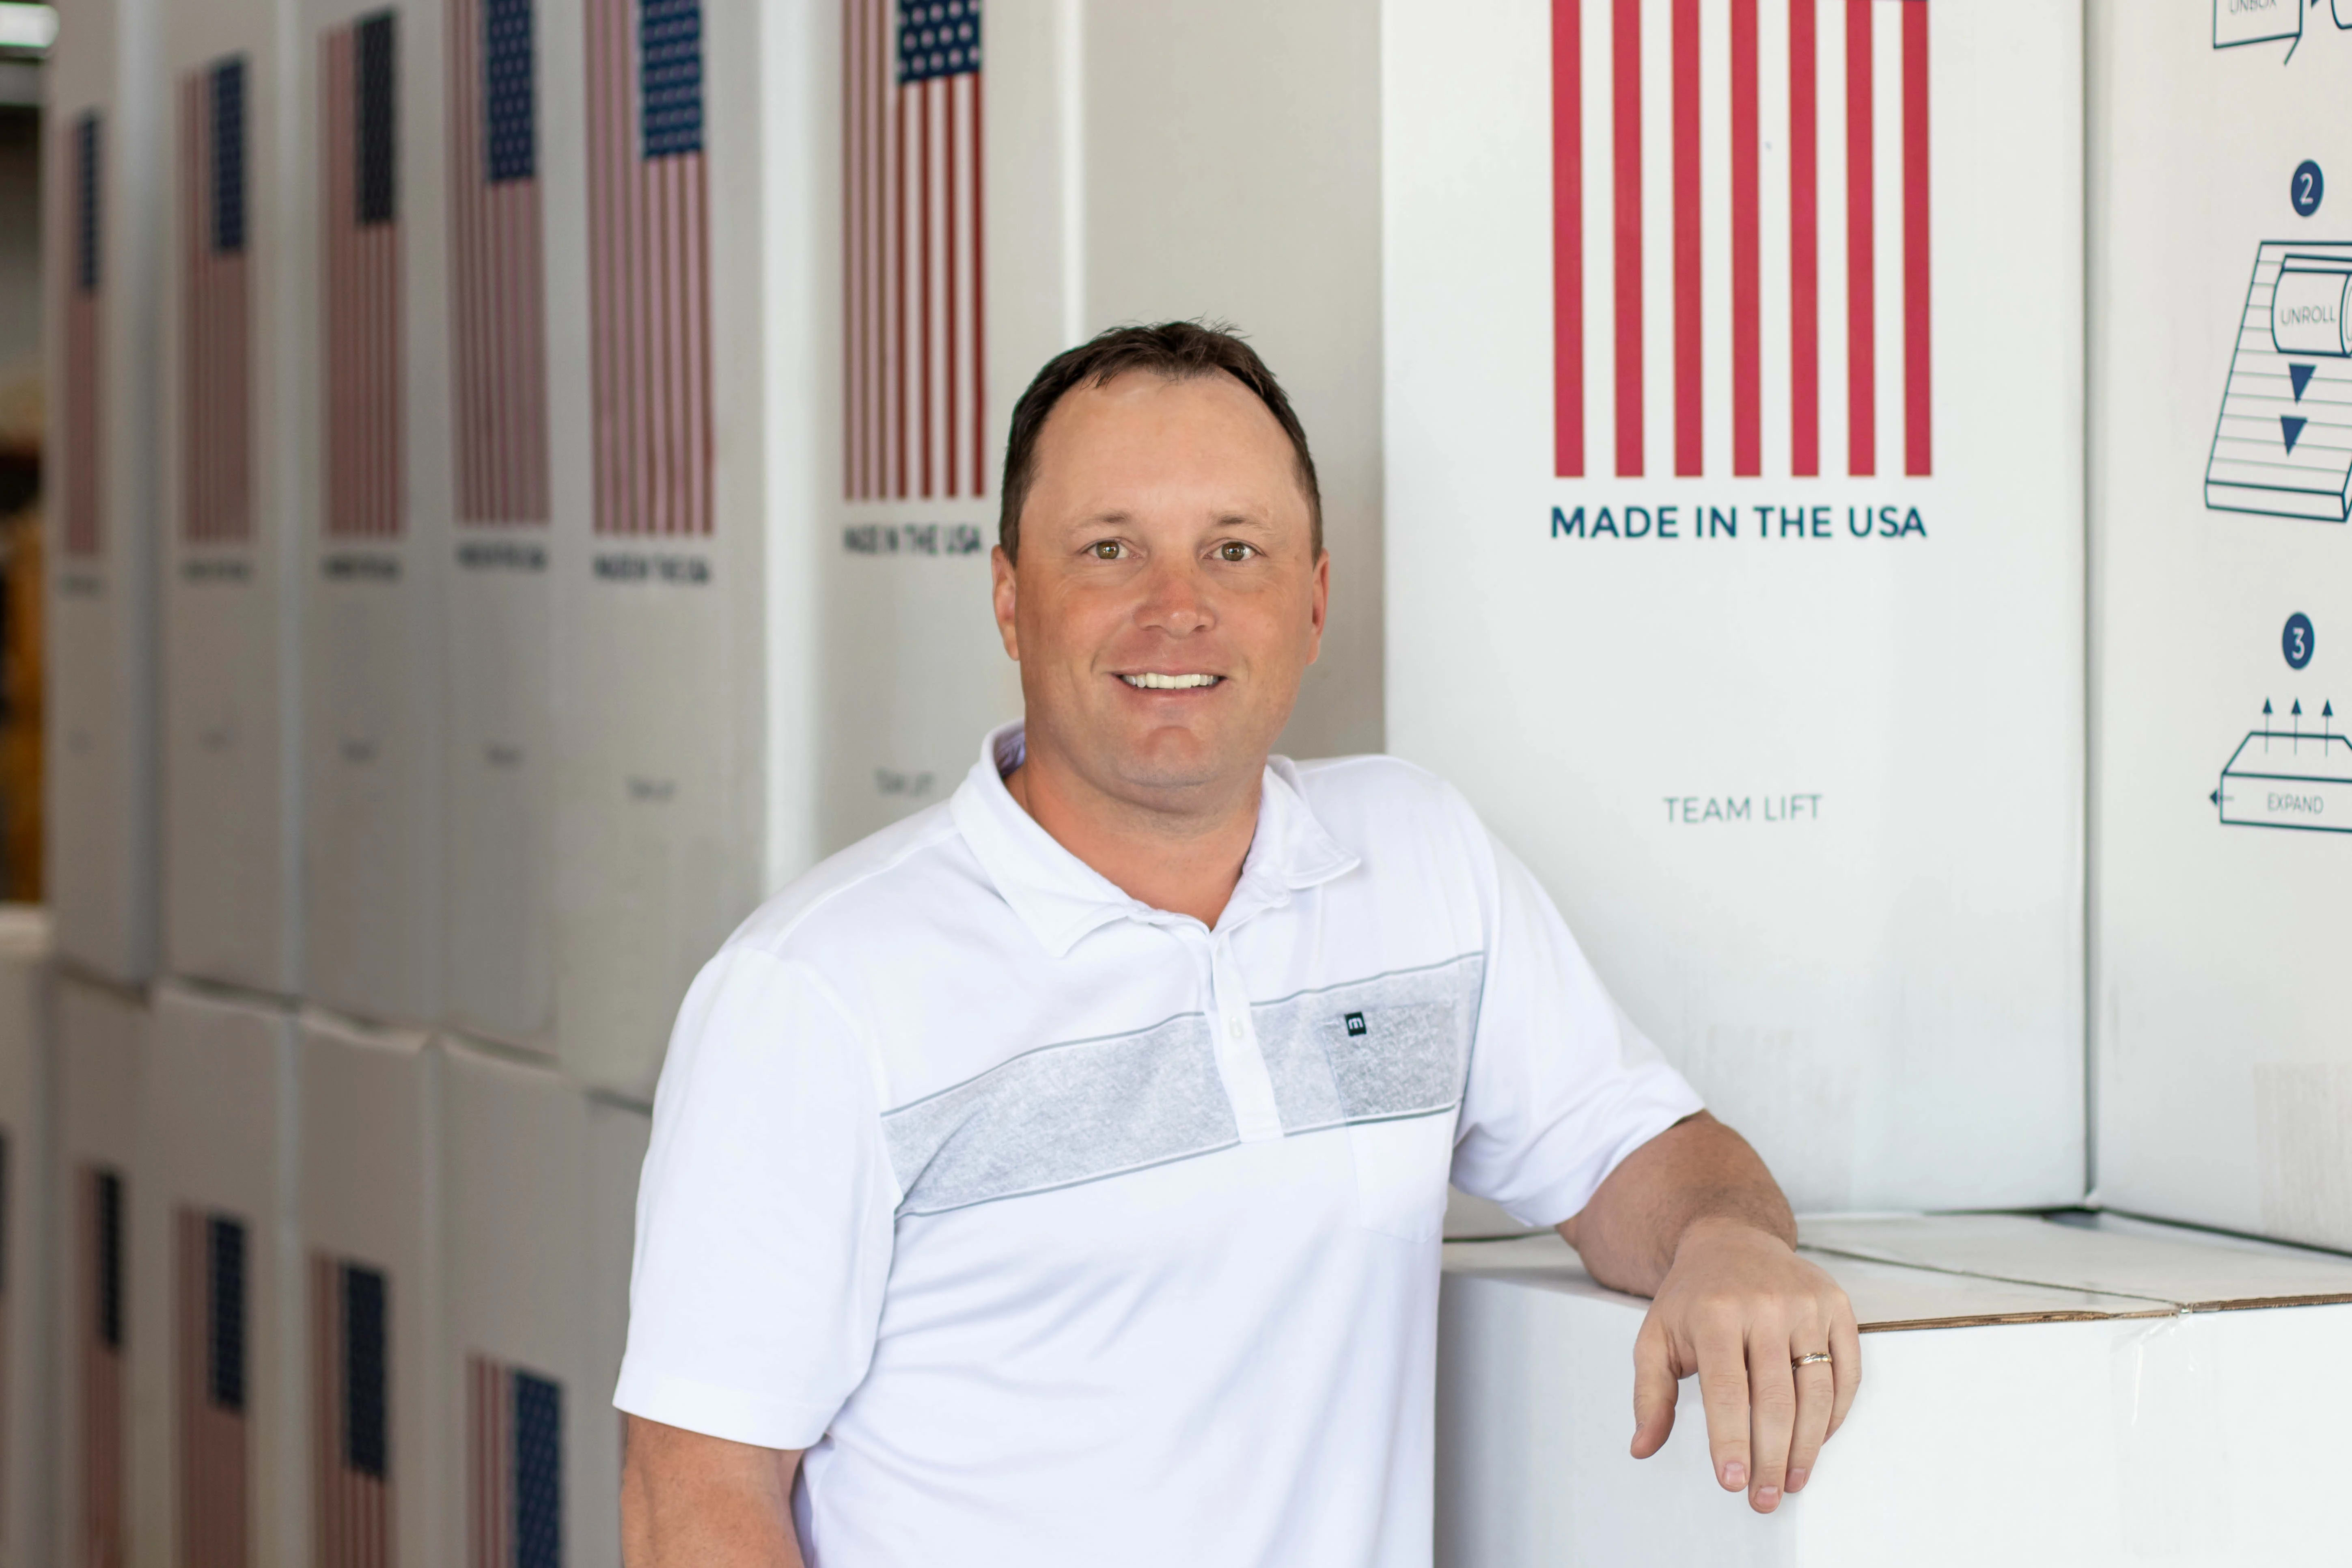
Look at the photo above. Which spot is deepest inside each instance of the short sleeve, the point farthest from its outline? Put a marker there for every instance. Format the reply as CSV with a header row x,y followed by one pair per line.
x,y
764,1215
1561,1085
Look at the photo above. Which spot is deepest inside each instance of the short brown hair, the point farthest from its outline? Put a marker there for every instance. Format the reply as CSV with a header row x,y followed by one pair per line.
x,y
1176,351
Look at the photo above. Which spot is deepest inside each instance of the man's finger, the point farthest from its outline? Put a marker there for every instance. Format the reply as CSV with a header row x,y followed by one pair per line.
x,y
1722,1394
1845,1351
1772,1418
1653,1389
1816,1392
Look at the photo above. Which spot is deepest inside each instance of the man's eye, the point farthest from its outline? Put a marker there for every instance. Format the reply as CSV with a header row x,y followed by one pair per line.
x,y
1234,550
1106,550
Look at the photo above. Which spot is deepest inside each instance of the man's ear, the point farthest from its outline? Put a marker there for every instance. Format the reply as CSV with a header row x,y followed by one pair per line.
x,y
1319,604
1004,588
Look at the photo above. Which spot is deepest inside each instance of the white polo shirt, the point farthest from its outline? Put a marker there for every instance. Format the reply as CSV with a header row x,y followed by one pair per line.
x,y
1064,1230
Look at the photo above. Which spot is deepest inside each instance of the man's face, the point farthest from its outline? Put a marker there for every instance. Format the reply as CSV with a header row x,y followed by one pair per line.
x,y
1169,597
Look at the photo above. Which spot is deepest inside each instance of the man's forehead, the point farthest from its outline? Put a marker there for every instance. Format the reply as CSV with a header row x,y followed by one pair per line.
x,y
1140,416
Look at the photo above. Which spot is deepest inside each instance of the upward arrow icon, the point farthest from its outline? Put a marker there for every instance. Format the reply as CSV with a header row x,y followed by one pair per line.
x,y
2300,375
2291,427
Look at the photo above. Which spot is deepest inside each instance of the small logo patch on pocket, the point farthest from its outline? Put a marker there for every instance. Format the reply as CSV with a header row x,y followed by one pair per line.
x,y
1356,1027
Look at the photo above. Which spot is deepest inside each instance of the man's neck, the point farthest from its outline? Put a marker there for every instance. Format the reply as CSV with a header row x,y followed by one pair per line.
x,y
1186,859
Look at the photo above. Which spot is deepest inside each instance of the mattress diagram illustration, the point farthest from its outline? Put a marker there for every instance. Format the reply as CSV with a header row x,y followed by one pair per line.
x,y
2283,445
2289,778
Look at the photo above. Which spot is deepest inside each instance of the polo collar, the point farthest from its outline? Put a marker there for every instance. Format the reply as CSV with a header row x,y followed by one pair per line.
x,y
1061,898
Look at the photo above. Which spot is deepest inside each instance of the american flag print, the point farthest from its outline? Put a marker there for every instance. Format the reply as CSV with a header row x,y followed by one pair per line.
x,y
497,289
216,309
514,1467
1846,82
649,267
359,214
84,336
351,1370
914,347
100,1310
209,1348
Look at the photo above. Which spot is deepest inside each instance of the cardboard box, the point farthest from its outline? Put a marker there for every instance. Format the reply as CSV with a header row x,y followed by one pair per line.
x,y
230,520
527,1401
2031,1392
2221,1070
376,504
216,1340
102,135
106,1520
1764,659
377,1426
29,1373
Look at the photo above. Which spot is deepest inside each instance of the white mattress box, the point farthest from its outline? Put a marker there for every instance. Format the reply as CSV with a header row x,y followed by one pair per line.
x,y
371,1300
377,505
2221,444
228,521
2031,1393
104,1396
529,1409
28,1372
101,145
217,1203
1734,565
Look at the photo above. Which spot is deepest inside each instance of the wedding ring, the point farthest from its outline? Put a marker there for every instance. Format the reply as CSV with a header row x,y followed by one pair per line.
x,y
1813,1360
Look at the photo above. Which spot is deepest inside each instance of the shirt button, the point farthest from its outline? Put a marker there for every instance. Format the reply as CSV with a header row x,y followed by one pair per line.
x,y
1233,1028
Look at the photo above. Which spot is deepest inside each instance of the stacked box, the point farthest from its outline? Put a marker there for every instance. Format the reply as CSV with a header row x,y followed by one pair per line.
x,y
2220,443
618,1135
1735,556
103,1274
2151,1361
520,1382
375,438
229,519
27,1370
503,180
216,1343
103,132
371,1303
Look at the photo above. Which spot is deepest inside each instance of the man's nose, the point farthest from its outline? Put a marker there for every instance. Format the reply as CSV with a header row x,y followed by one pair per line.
x,y
1175,598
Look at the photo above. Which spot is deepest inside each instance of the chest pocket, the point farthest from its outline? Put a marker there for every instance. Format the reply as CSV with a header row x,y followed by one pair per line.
x,y
1396,1048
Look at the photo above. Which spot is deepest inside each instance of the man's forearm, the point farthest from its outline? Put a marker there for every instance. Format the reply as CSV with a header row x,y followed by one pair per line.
x,y
692,1501
1696,1172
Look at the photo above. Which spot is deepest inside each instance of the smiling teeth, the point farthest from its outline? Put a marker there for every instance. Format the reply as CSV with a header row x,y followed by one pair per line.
x,y
1153,682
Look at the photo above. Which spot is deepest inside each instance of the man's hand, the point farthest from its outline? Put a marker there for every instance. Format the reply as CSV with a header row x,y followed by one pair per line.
x,y
1738,1307
1693,1220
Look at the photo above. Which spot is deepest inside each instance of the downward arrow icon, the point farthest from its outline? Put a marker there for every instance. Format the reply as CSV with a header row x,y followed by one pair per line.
x,y
2291,428
2301,375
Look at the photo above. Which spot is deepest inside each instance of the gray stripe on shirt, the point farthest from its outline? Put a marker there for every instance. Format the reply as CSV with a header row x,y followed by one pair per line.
x,y
1060,1115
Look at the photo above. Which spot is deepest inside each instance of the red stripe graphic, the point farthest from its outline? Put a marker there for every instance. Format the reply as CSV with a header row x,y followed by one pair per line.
x,y
362,325
1805,246
1625,67
497,316
1568,238
1917,435
1746,292
1689,371
214,1523
216,345
650,306
913,304
1860,241
489,1443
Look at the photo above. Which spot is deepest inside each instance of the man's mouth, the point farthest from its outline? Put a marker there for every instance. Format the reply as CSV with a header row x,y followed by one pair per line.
x,y
1152,680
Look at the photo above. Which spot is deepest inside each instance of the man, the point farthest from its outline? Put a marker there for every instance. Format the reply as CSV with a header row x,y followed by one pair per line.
x,y
1057,1177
